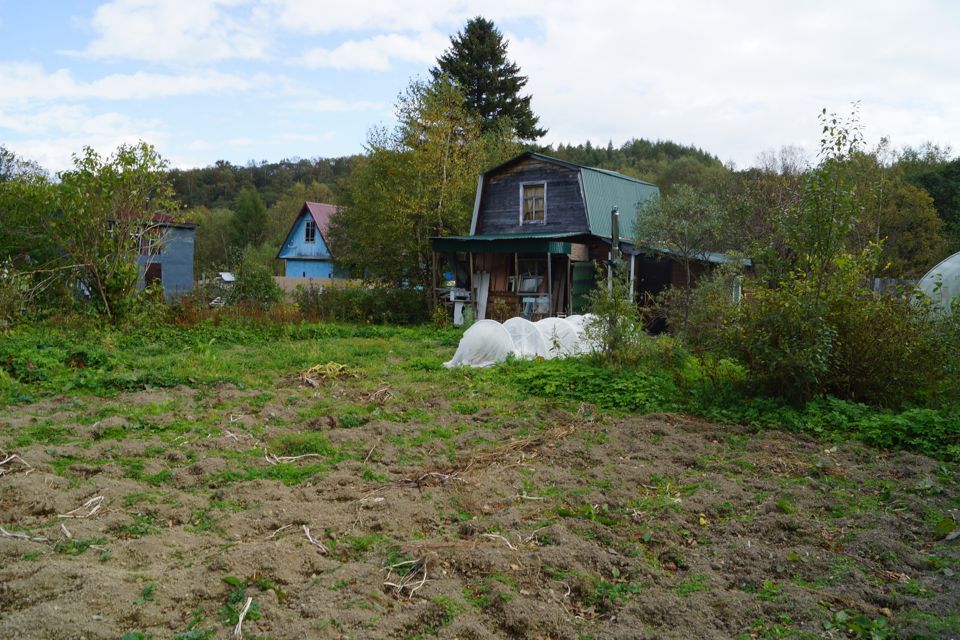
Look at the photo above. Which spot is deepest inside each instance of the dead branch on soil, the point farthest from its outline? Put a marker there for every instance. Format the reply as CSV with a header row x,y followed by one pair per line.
x,y
370,453
275,460
489,457
849,603
524,496
497,536
238,630
494,455
442,478
22,536
319,545
274,534
65,531
380,396
87,510
411,581
11,459
363,502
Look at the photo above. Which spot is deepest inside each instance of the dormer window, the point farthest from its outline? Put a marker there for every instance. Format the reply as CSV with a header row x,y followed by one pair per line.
x,y
310,233
533,203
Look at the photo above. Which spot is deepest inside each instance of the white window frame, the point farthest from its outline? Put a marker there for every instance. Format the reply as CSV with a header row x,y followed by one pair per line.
x,y
306,232
534,183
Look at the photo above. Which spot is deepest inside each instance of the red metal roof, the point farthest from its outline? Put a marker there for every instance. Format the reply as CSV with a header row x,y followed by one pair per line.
x,y
321,215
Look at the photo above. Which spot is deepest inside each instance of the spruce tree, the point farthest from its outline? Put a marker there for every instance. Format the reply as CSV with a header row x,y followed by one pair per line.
x,y
477,62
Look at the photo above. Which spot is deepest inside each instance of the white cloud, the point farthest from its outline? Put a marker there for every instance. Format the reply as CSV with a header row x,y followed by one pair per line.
x,y
738,79
735,78
175,31
331,16
29,81
50,136
377,53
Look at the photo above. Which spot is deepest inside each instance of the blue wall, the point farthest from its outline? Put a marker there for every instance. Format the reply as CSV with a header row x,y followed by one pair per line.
x,y
309,269
296,245
176,262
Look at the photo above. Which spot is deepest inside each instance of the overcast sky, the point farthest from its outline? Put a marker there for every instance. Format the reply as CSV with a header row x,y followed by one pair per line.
x,y
244,80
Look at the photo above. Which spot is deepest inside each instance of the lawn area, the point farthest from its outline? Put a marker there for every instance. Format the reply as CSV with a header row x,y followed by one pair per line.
x,y
346,485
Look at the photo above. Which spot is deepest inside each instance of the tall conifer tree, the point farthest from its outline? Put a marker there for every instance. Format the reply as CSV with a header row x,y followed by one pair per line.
x,y
477,62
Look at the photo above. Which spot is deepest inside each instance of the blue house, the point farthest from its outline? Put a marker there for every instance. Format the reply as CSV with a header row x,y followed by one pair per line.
x,y
166,257
304,252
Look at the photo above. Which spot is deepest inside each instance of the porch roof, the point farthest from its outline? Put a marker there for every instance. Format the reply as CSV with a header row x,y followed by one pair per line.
x,y
507,243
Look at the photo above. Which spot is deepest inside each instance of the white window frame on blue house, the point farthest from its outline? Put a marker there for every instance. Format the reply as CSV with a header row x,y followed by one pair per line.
x,y
310,232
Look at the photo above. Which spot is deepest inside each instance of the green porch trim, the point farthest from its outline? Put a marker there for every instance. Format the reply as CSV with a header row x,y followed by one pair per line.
x,y
506,243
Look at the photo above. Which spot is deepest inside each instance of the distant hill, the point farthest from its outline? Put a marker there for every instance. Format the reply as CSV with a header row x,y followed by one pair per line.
x,y
218,185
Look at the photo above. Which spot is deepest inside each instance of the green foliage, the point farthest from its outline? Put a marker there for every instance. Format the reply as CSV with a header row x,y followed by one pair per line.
x,y
686,223
604,596
716,393
860,626
663,163
805,336
230,611
692,584
213,243
811,327
418,181
255,286
616,331
477,63
365,305
250,218
15,294
147,594
578,380
110,210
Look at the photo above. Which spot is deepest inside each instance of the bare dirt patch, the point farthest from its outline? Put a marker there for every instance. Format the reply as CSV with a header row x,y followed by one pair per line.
x,y
513,522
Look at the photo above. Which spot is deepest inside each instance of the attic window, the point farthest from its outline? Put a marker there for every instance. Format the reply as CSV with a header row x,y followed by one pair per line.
x,y
533,203
310,234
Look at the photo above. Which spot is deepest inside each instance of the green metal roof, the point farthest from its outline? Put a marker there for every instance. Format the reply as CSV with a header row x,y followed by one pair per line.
x,y
604,190
506,243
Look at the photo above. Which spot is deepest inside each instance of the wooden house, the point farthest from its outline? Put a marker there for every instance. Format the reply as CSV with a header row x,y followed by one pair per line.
x,y
166,257
540,227
304,251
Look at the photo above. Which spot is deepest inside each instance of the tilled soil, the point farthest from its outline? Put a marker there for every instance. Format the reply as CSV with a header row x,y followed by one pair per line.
x,y
543,524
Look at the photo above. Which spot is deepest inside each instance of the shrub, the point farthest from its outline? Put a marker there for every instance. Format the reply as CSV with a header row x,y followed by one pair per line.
x,y
367,305
616,329
14,295
255,285
802,337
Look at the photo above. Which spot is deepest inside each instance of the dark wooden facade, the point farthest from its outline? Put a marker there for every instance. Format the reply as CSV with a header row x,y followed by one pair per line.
x,y
500,200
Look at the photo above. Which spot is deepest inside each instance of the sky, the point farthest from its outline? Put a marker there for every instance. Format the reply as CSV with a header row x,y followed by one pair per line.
x,y
254,80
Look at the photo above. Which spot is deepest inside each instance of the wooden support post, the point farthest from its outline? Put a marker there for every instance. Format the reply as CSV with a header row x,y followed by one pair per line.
x,y
549,284
569,286
473,289
516,283
633,265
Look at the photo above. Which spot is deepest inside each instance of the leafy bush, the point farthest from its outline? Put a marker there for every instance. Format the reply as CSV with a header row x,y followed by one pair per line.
x,y
255,285
801,338
367,305
14,295
616,330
